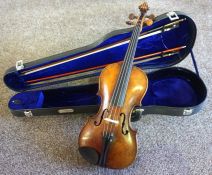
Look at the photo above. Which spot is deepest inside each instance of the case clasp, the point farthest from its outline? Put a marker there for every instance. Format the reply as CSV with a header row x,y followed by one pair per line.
x,y
28,113
172,16
19,65
187,111
140,110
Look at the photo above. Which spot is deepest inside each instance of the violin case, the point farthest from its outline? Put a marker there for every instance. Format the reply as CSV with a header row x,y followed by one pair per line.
x,y
47,86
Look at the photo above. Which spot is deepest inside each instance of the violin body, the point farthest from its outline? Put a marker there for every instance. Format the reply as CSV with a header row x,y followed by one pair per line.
x,y
107,138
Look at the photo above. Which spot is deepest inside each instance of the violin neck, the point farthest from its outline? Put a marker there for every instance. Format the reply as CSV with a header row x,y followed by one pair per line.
x,y
130,54
124,75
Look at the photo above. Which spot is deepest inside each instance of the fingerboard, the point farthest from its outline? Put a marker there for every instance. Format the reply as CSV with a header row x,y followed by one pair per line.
x,y
119,93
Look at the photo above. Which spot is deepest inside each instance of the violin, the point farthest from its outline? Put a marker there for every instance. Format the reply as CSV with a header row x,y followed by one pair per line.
x,y
108,139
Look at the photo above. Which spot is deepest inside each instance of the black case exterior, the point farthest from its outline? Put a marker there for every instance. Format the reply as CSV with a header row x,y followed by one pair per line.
x,y
138,111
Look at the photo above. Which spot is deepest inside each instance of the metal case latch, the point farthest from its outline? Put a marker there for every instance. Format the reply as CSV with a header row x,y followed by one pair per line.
x,y
172,16
19,65
140,110
187,111
28,113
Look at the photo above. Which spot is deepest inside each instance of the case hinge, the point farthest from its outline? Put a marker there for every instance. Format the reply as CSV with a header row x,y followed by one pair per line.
x,y
28,113
172,16
187,111
19,65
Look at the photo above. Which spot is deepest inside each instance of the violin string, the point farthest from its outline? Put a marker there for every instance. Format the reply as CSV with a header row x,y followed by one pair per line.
x,y
118,82
129,64
123,73
111,102
128,68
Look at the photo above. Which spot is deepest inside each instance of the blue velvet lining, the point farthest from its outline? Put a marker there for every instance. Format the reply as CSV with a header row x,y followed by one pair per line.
x,y
174,92
174,38
113,39
172,87
27,100
79,96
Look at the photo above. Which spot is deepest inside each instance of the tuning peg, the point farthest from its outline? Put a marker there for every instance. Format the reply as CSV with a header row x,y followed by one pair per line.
x,y
131,22
132,16
152,17
148,21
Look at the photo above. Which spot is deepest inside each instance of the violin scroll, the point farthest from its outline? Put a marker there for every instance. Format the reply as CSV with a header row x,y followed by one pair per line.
x,y
143,8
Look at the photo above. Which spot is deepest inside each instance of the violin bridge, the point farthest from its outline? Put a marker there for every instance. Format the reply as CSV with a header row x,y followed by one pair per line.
x,y
111,120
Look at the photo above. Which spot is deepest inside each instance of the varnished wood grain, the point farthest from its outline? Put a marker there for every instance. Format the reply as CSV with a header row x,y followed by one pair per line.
x,y
123,149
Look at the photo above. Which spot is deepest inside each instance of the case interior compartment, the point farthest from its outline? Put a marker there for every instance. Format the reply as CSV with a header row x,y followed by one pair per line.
x,y
173,87
182,35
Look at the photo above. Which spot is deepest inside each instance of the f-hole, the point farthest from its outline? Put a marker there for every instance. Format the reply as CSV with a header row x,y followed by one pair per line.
x,y
96,123
125,132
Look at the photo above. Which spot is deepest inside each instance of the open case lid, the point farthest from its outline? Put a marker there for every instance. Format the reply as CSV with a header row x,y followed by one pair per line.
x,y
163,44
